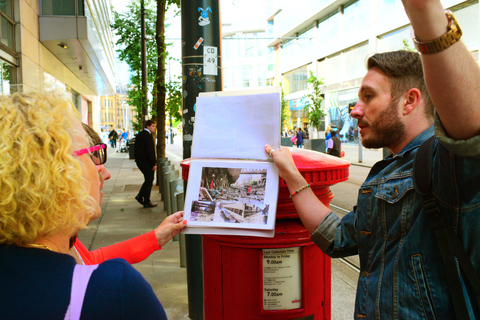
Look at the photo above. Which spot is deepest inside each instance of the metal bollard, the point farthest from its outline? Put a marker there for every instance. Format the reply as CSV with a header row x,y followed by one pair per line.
x,y
160,163
169,176
166,168
176,186
183,255
161,174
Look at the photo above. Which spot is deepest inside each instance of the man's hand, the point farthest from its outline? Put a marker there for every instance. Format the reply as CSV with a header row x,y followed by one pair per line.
x,y
309,208
154,168
169,228
284,162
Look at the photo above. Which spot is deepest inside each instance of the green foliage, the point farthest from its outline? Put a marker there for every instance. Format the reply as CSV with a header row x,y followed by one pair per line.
x,y
314,110
132,97
406,46
127,26
283,112
174,99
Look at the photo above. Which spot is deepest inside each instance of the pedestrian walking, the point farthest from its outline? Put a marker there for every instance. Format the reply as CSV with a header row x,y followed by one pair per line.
x,y
113,137
299,138
146,162
334,145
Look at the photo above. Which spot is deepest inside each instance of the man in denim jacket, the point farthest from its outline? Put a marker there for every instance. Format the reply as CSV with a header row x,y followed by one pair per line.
x,y
402,273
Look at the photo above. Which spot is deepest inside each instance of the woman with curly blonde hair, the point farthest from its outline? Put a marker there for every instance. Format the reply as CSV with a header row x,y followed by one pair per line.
x,y
133,250
50,188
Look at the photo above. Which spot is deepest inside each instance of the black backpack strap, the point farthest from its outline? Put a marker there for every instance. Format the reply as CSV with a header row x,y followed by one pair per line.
x,y
450,245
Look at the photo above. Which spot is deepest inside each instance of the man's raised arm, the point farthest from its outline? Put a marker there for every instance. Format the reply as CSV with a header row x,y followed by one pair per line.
x,y
452,75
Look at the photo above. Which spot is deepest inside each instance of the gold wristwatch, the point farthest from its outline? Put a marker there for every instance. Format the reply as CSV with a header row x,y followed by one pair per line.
x,y
453,35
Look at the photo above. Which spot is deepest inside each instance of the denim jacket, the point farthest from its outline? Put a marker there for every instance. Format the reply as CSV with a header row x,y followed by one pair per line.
x,y
402,274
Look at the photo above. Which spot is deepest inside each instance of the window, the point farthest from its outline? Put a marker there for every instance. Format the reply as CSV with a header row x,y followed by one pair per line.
x,y
288,50
246,75
305,40
262,75
7,7
8,75
7,32
354,62
7,24
395,40
355,16
333,69
297,79
58,7
328,28
270,58
62,7
467,16
386,7
270,28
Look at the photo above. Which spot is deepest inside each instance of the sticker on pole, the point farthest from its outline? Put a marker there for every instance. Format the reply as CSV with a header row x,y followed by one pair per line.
x,y
210,60
281,279
199,42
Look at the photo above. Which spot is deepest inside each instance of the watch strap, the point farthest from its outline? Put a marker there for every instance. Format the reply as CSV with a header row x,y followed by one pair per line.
x,y
452,36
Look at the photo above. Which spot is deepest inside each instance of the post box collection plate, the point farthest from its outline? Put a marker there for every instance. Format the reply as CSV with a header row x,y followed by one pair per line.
x,y
281,279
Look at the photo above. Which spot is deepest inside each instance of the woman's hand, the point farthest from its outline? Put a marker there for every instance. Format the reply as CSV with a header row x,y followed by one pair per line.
x,y
169,228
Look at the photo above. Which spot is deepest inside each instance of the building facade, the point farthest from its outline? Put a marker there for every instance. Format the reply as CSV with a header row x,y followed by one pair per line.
x,y
333,39
115,112
62,44
244,47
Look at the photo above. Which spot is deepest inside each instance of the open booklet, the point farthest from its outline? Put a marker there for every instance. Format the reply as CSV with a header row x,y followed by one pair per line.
x,y
233,184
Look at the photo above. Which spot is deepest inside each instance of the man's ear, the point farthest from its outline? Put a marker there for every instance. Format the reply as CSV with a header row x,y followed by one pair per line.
x,y
412,100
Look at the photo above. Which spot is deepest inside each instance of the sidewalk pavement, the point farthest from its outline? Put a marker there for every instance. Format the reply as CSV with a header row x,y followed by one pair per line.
x,y
123,218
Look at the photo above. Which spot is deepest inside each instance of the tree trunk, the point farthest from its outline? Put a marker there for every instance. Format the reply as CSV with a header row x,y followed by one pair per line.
x,y
160,79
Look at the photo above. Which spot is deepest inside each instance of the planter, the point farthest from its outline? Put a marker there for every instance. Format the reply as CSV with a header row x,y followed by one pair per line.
x,y
286,142
315,144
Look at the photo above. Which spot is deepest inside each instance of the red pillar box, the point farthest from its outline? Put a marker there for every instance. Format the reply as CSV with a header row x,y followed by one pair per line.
x,y
284,277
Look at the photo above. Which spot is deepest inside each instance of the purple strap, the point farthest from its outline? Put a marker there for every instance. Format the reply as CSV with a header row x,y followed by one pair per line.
x,y
81,277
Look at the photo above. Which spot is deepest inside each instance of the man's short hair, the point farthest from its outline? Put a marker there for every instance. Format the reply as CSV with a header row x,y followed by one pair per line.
x,y
149,123
404,70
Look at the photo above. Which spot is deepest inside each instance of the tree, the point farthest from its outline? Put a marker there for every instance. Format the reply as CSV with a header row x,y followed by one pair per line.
x,y
283,112
174,99
160,87
313,105
127,27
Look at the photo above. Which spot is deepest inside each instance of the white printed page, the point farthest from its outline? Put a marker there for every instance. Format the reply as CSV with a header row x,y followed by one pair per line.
x,y
236,127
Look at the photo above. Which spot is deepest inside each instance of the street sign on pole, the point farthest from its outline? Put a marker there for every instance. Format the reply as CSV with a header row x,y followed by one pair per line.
x,y
210,60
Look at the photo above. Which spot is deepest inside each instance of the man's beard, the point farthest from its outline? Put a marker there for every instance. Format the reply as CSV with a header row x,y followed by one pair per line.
x,y
386,130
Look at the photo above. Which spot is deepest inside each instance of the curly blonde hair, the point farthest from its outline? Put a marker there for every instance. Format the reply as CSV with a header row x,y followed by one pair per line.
x,y
42,188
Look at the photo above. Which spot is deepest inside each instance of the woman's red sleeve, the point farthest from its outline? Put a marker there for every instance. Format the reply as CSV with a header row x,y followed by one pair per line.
x,y
134,250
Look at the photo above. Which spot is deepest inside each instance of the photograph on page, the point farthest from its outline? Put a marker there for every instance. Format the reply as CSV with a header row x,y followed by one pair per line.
x,y
231,194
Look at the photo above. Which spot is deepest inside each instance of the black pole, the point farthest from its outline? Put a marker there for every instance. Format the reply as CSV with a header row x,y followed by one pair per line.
x,y
171,130
144,63
201,69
